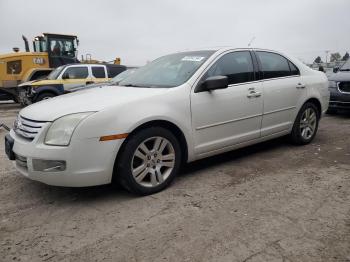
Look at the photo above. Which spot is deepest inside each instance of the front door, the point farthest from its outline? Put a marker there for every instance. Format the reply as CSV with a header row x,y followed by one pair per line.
x,y
225,117
75,76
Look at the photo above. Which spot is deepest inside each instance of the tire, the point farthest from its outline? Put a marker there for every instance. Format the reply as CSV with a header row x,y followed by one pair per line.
x,y
144,171
305,121
44,96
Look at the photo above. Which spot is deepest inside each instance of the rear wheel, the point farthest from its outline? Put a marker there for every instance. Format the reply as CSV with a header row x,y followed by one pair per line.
x,y
149,161
306,124
44,96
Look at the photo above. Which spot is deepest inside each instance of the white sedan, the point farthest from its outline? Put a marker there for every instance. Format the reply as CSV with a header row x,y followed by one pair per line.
x,y
177,109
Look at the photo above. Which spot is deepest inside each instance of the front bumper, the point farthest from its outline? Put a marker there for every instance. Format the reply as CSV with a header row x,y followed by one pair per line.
x,y
339,105
89,162
339,100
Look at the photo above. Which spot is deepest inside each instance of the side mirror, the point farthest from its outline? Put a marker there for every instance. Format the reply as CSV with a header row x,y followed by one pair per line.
x,y
335,69
214,82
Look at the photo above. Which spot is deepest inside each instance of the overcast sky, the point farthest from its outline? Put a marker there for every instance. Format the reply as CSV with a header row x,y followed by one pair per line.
x,y
141,30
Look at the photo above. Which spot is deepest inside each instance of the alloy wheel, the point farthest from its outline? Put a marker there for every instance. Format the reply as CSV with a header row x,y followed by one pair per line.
x,y
153,161
308,123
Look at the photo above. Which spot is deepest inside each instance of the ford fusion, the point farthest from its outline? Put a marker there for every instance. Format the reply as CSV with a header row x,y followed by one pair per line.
x,y
179,108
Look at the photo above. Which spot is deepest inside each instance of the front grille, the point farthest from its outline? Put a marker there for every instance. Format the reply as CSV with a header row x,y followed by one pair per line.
x,y
21,161
27,128
344,87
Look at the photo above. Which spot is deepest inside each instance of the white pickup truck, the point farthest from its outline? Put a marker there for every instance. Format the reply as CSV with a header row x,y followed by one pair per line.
x,y
64,78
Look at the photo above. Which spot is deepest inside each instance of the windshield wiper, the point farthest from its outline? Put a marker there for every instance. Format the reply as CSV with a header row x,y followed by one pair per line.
x,y
132,85
348,69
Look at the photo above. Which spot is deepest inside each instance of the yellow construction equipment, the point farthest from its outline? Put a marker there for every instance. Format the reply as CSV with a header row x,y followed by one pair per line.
x,y
49,51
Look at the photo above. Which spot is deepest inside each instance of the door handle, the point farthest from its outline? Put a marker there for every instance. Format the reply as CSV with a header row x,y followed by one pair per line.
x,y
300,86
253,93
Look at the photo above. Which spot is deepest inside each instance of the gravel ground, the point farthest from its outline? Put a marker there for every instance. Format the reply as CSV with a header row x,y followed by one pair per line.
x,y
268,202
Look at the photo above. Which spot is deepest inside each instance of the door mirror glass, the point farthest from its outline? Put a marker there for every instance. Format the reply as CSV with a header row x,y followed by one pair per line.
x,y
215,82
335,69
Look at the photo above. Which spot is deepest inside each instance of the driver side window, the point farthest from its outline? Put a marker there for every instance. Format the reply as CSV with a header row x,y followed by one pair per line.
x,y
76,73
237,66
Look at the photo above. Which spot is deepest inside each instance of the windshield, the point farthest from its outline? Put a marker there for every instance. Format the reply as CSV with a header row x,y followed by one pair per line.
x,y
346,66
62,47
168,71
122,75
55,73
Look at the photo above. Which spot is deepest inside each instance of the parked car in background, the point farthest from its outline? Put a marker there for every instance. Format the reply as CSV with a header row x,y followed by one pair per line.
x,y
64,78
176,109
339,87
114,81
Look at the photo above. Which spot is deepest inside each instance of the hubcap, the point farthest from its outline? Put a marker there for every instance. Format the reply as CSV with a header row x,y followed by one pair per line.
x,y
153,161
308,123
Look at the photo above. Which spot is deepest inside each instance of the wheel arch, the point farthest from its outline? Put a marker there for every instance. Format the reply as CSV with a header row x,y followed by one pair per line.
x,y
177,132
174,129
316,102
56,90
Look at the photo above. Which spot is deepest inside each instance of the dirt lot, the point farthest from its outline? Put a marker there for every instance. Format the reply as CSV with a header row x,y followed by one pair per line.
x,y
269,202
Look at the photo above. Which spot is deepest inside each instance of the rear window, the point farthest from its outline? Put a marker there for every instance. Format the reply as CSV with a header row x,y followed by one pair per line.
x,y
274,65
98,72
115,70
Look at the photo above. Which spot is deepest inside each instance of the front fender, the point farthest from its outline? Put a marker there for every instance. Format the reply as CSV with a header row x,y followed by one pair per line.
x,y
127,117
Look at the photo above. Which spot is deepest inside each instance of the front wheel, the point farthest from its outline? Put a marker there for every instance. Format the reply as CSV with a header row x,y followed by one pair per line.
x,y
149,161
306,124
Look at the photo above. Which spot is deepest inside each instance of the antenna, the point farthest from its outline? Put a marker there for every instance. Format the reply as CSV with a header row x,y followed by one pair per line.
x,y
251,41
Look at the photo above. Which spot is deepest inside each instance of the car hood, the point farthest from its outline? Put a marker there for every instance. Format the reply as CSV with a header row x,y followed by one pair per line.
x,y
90,100
40,82
340,76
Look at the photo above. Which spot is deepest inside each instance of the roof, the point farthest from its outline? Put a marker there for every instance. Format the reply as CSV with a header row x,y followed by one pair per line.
x,y
59,34
226,48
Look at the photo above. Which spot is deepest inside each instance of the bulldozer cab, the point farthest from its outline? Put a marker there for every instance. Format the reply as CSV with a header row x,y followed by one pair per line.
x,y
61,49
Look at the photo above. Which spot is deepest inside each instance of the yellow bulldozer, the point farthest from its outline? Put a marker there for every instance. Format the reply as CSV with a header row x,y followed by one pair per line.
x,y
49,51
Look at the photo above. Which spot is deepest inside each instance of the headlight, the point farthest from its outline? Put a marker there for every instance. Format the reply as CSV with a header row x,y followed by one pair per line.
x,y
332,84
61,130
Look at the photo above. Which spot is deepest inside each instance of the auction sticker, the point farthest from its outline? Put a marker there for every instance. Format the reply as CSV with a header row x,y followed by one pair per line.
x,y
193,58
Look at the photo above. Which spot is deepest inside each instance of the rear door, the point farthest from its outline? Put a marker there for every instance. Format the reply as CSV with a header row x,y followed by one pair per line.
x,y
99,74
283,88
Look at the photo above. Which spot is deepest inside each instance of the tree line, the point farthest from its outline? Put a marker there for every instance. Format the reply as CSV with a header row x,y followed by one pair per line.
x,y
333,58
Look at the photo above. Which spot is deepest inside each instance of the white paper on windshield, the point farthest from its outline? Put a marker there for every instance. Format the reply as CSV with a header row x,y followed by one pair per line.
x,y
193,58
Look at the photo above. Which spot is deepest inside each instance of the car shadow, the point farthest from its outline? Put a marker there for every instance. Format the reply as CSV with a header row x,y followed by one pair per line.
x,y
235,155
53,194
